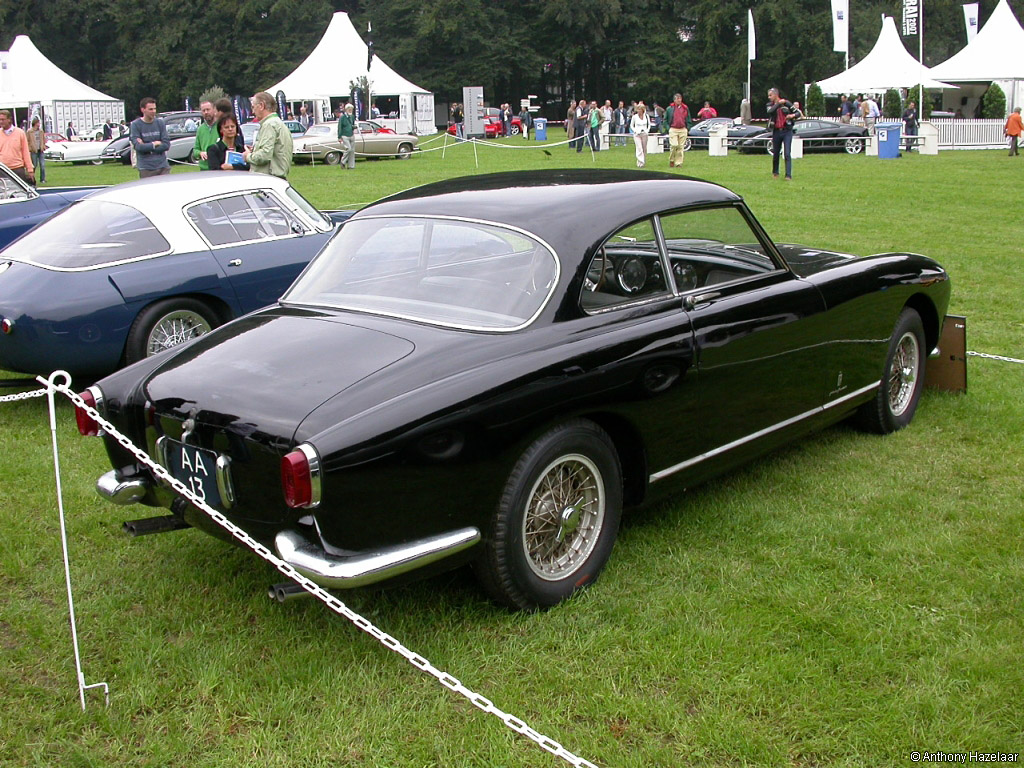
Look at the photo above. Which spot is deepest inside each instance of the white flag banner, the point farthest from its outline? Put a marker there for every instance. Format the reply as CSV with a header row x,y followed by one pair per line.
x,y
911,10
971,20
841,25
751,46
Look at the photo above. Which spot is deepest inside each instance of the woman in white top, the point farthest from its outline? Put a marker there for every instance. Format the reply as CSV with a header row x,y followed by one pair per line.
x,y
640,125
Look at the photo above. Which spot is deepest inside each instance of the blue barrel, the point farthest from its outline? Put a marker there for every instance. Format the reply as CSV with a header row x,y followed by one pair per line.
x,y
540,129
888,137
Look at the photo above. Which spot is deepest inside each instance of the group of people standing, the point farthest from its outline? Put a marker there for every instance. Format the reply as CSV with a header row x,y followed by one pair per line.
x,y
586,122
219,145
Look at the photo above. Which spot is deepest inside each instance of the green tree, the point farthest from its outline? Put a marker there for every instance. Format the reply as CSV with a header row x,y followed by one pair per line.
x,y
815,106
993,103
893,106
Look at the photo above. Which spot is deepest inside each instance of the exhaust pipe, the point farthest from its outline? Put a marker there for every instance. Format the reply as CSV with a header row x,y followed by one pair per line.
x,y
285,591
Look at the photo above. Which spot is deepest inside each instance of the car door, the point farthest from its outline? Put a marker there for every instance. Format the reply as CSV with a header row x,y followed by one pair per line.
x,y
259,242
756,325
21,207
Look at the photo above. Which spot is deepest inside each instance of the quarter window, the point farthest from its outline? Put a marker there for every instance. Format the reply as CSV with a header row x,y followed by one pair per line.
x,y
241,219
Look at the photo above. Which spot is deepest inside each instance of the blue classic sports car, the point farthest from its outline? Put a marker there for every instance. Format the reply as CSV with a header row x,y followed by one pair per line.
x,y
490,370
22,207
140,267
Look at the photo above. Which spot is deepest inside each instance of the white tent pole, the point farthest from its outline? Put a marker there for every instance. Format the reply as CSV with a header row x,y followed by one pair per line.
x,y
920,51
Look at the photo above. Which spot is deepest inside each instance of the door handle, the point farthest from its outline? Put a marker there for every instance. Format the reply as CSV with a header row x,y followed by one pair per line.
x,y
690,302
235,263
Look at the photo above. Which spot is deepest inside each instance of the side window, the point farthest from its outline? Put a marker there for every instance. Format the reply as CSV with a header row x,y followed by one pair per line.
x,y
626,269
241,218
11,190
708,246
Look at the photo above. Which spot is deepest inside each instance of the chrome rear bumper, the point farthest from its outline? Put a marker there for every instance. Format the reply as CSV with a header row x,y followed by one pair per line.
x,y
112,488
338,572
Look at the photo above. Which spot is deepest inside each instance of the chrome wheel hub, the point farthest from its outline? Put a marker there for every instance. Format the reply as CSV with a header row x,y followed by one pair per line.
x,y
906,364
564,516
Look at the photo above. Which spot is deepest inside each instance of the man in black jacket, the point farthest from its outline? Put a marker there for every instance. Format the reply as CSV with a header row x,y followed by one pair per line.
x,y
780,117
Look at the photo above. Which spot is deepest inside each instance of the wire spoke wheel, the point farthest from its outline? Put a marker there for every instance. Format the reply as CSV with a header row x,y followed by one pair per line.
x,y
176,328
903,374
564,516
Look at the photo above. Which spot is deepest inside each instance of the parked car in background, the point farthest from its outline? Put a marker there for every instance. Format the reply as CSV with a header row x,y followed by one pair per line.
x,y
697,137
489,370
249,131
23,206
181,130
817,135
77,152
140,267
492,124
320,143
118,150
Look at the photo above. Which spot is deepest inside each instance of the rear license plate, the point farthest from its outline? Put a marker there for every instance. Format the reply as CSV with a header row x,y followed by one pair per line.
x,y
196,468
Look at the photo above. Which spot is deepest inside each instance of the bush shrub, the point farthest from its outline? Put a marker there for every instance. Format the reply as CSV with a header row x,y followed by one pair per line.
x,y
924,105
993,103
815,106
893,107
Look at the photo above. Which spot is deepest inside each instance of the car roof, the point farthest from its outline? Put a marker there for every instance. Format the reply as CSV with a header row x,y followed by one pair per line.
x,y
569,209
162,198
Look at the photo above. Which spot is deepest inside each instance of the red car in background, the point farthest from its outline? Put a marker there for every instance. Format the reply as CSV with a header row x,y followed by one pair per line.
x,y
492,125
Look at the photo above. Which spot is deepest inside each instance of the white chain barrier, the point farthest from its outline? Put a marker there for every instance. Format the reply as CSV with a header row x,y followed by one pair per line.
x,y
995,357
59,382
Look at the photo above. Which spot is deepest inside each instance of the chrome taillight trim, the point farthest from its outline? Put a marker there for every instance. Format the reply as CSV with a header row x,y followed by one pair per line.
x,y
313,459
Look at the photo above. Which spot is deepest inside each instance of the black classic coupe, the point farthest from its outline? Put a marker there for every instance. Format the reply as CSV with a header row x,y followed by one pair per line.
x,y
489,370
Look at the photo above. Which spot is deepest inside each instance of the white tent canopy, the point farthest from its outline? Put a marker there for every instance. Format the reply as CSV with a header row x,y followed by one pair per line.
x,y
27,77
339,59
887,66
995,53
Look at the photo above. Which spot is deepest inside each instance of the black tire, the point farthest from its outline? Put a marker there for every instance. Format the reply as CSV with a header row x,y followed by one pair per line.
x,y
97,161
853,146
332,158
894,405
514,130
165,324
404,151
192,155
544,543
687,144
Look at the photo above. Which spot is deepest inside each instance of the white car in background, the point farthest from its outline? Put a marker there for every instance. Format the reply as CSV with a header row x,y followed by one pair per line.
x,y
75,151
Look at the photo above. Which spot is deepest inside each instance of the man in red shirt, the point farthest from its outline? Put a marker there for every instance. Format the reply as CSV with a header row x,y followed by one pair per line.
x,y
677,117
1014,128
14,149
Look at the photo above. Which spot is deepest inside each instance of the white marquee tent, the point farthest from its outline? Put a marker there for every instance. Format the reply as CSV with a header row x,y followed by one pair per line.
x,y
994,55
887,66
339,59
27,78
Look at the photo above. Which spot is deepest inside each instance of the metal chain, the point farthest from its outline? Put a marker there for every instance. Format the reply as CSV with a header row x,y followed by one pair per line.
x,y
995,357
332,602
23,396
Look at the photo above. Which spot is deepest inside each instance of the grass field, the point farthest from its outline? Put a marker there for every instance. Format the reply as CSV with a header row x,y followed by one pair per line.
x,y
843,602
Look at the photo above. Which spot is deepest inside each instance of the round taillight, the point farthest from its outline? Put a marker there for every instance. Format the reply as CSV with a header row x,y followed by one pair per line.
x,y
87,425
300,477
6,325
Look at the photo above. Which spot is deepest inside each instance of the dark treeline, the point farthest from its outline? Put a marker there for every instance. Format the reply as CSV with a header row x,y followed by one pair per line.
x,y
556,49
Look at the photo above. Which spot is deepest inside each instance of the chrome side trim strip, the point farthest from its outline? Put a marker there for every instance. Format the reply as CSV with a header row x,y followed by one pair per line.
x,y
362,568
761,433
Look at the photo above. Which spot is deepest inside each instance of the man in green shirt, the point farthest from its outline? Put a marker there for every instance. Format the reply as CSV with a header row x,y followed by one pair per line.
x,y
272,151
206,134
346,129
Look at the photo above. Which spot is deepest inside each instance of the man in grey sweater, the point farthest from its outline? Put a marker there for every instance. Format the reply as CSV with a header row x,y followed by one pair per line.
x,y
148,136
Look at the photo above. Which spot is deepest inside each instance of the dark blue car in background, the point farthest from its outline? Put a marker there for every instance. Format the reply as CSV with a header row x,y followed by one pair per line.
x,y
141,267
22,207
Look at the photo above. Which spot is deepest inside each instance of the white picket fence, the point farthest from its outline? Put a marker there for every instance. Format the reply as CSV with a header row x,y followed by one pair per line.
x,y
960,133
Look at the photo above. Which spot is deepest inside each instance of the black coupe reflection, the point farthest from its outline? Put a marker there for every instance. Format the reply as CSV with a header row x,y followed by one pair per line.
x,y
489,370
